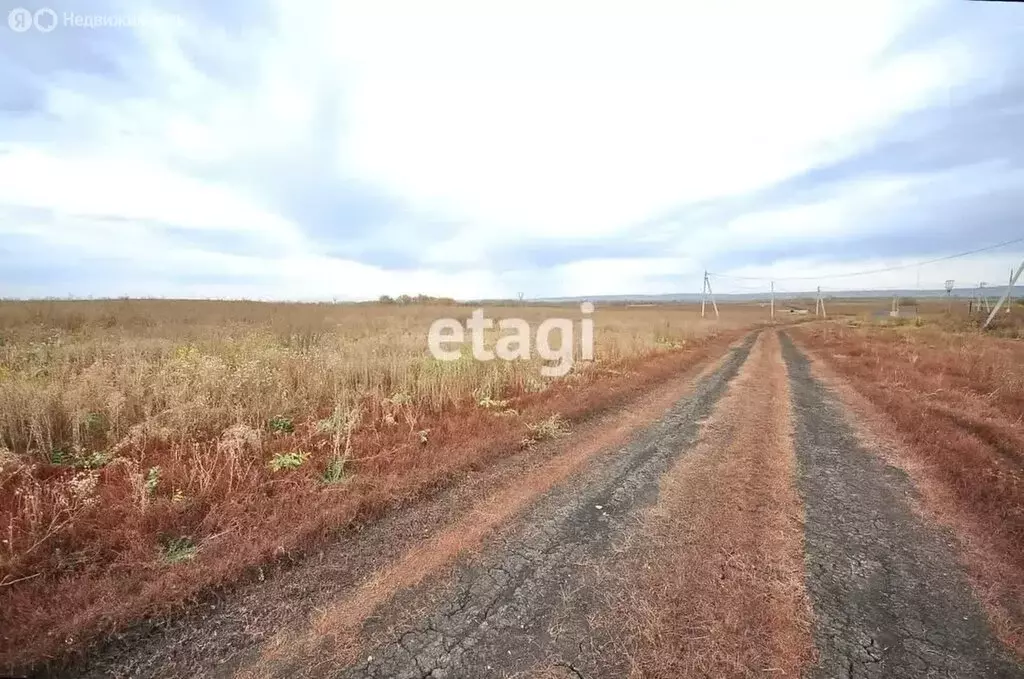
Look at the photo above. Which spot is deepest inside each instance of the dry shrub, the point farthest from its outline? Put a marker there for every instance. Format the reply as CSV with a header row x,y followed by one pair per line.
x,y
549,428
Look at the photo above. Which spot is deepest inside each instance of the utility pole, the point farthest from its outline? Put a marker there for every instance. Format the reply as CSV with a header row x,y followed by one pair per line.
x,y
917,297
1009,292
711,294
895,311
1013,281
704,294
773,301
949,291
819,304
984,297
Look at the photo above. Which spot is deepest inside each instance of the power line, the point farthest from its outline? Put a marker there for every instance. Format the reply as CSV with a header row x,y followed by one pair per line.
x,y
732,287
870,271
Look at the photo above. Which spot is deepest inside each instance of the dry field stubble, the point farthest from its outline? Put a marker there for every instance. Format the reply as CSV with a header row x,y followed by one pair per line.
x,y
153,448
953,403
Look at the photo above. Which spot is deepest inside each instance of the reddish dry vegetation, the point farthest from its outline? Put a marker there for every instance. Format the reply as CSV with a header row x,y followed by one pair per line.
x,y
954,404
97,573
714,580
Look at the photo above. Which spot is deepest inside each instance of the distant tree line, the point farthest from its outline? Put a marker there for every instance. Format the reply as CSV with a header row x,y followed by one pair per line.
x,y
418,299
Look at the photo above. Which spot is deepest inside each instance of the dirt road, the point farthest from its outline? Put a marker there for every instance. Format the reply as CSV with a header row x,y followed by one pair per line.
x,y
889,597
728,524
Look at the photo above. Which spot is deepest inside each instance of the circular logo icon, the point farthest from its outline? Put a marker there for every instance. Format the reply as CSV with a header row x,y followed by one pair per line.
x,y
19,19
45,19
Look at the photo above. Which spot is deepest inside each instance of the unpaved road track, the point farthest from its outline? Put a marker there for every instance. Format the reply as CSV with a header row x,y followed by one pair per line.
x,y
889,598
523,603
505,577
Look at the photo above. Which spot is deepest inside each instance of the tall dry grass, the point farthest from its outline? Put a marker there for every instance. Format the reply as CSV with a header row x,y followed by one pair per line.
x,y
77,379
84,376
159,446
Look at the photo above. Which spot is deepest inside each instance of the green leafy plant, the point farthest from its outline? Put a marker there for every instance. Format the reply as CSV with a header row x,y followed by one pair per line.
x,y
178,549
292,460
95,423
93,460
60,456
336,471
281,424
152,480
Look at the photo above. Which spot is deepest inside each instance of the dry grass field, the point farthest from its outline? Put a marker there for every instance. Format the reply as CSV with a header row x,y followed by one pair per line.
x,y
152,448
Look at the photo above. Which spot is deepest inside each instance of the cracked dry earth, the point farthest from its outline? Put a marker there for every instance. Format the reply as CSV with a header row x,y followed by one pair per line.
x,y
508,577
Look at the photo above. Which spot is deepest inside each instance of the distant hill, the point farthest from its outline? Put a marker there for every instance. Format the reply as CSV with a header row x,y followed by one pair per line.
x,y
958,293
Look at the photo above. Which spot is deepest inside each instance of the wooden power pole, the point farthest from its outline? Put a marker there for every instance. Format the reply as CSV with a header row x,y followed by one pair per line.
x,y
705,294
711,294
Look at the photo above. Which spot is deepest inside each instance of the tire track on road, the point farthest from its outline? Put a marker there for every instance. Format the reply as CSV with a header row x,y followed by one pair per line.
x,y
495,615
889,598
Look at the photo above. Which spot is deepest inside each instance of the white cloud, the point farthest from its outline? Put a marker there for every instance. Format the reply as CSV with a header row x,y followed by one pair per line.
x,y
131,189
555,123
494,128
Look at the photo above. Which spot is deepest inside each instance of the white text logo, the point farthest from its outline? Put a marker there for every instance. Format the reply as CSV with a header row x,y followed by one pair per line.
x,y
515,342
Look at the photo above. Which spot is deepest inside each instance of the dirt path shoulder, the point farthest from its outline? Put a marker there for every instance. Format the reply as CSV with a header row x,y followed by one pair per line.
x,y
888,595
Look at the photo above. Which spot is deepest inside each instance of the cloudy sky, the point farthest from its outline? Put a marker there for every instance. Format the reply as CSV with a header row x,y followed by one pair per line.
x,y
318,150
